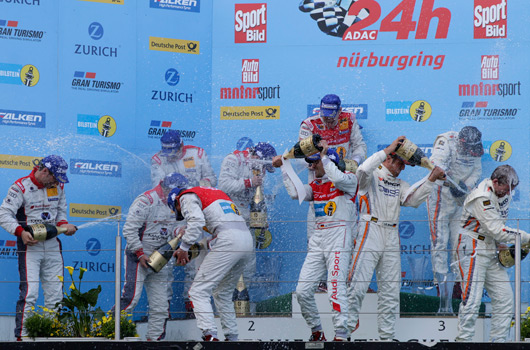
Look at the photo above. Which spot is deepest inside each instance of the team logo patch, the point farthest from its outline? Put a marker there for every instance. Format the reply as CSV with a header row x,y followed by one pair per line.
x,y
330,208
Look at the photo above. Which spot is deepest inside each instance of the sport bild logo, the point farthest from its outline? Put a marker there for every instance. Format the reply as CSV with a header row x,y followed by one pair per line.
x,y
95,32
250,71
95,167
480,111
86,81
489,67
9,30
159,128
250,23
17,74
172,78
490,19
418,111
96,125
179,5
22,118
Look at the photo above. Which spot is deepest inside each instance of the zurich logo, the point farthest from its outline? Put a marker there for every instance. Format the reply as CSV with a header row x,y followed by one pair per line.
x,y
95,30
93,246
172,77
406,229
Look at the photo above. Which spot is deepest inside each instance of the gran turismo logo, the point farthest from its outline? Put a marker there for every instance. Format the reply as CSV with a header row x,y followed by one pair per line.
x,y
172,77
95,30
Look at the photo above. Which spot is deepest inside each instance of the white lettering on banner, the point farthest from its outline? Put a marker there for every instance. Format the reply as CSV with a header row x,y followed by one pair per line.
x,y
246,20
491,14
97,166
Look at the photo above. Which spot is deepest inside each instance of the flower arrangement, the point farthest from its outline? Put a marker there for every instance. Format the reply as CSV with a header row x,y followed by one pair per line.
x,y
525,324
76,315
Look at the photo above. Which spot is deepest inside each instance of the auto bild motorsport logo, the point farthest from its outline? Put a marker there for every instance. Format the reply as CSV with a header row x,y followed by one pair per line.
x,y
400,111
9,30
490,70
480,111
22,118
179,5
250,71
489,67
95,32
490,19
172,78
96,125
360,110
250,23
159,128
86,81
18,74
95,167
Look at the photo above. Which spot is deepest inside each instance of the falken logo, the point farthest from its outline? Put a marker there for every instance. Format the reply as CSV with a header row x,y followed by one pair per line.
x,y
250,23
159,128
179,5
95,32
86,81
490,19
22,118
95,167
360,110
250,71
9,30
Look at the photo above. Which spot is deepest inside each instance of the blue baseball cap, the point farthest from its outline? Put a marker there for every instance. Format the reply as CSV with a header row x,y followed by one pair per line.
x,y
330,106
332,155
174,180
57,166
170,142
244,143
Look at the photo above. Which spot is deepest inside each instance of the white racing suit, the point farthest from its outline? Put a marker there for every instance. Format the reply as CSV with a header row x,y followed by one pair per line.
x,y
346,137
27,203
150,224
192,162
443,208
483,226
329,248
230,249
377,246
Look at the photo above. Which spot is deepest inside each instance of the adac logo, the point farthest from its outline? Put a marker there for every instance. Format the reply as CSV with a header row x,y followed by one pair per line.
x,y
500,150
9,30
489,67
490,19
95,167
250,71
95,32
405,111
88,124
480,111
360,110
172,78
93,246
86,81
179,5
250,23
22,118
159,128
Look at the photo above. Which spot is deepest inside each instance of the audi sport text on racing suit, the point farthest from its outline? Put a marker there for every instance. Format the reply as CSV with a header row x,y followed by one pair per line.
x,y
483,220
329,248
150,223
377,244
444,208
29,202
230,249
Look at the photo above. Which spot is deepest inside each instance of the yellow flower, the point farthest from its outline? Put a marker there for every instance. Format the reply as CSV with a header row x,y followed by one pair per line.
x,y
82,271
70,270
72,286
61,278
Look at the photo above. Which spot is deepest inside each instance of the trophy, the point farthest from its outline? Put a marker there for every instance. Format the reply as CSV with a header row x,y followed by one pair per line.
x,y
414,155
305,148
43,232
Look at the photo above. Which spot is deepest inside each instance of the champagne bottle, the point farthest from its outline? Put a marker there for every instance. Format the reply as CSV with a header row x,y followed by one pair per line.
x,y
43,232
506,256
241,299
305,148
258,208
348,165
160,257
413,154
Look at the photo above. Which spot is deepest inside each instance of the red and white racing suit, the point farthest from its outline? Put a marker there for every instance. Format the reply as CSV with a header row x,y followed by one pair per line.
x,y
329,248
346,137
377,246
483,226
443,208
230,249
150,223
28,202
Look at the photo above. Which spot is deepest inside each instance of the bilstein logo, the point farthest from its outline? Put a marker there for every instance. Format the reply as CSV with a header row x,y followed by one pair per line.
x,y
401,111
250,23
420,111
95,32
179,5
159,128
490,19
86,81
500,151
22,118
9,30
95,211
250,113
174,45
250,71
172,78
360,110
96,125
18,74
489,67
95,167
479,111
18,162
